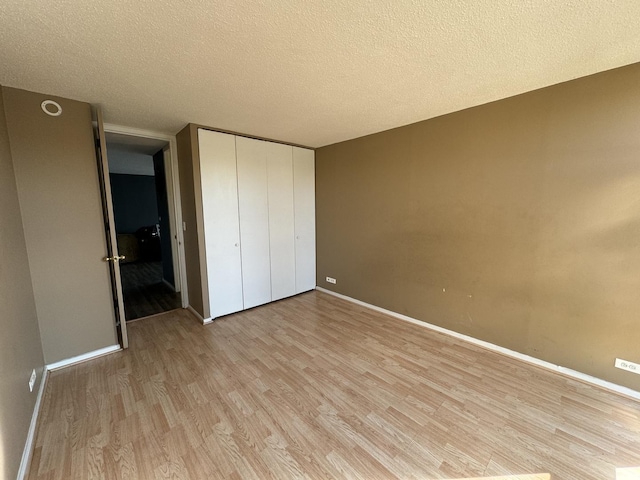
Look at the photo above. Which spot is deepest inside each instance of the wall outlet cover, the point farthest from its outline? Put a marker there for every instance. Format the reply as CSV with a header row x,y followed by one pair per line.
x,y
629,366
331,280
32,380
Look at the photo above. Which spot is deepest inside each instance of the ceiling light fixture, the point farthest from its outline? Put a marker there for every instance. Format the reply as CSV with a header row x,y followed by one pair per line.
x,y
51,108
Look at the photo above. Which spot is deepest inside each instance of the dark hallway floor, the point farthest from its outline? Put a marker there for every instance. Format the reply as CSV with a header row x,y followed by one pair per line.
x,y
144,291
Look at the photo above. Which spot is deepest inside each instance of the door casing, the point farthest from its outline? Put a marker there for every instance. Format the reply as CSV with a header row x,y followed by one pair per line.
x,y
173,195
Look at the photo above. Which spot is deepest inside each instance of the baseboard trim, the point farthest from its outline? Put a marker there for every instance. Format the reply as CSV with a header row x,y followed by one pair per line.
x,y
83,358
204,321
27,453
614,387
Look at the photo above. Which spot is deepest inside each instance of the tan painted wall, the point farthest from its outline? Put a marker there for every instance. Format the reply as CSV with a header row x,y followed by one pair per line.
x,y
186,160
57,179
20,347
516,222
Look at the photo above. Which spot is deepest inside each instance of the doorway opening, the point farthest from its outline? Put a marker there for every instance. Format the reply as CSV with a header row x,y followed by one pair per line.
x,y
140,173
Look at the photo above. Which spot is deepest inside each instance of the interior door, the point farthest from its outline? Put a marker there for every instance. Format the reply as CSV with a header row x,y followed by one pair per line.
x,y
112,257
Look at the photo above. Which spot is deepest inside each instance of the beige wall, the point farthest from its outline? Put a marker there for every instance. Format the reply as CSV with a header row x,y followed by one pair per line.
x,y
57,180
516,222
187,158
20,347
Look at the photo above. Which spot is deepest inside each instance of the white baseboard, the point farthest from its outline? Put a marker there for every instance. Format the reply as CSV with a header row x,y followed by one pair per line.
x,y
28,448
83,358
496,348
204,321
31,435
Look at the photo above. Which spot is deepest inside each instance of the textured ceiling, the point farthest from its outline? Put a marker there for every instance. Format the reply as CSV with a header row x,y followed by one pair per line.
x,y
306,72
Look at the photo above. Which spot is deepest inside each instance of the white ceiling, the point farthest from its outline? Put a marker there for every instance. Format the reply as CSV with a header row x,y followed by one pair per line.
x,y
306,72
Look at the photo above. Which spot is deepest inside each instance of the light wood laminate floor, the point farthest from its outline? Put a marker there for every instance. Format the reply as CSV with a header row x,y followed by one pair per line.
x,y
316,387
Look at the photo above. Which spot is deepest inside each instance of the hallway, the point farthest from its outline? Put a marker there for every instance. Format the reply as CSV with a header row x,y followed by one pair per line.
x,y
144,291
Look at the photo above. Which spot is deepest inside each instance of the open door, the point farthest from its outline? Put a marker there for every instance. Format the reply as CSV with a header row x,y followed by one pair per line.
x,y
112,257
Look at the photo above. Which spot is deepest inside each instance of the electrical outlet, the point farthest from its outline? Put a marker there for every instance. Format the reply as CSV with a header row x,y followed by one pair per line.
x,y
629,366
331,280
32,380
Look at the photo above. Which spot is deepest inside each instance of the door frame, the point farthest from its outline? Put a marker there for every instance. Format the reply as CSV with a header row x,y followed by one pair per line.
x,y
173,226
173,195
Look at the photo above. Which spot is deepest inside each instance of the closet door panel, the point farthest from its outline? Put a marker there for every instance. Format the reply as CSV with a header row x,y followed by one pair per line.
x,y
221,224
281,220
305,218
253,203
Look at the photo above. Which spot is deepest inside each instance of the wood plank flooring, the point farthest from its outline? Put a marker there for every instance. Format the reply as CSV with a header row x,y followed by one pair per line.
x,y
144,291
316,387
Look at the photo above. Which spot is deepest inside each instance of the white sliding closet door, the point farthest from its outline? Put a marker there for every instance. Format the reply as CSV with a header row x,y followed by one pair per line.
x,y
281,220
304,188
253,203
221,225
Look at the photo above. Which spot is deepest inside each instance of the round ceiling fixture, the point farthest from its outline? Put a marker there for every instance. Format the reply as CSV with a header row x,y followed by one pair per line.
x,y
51,108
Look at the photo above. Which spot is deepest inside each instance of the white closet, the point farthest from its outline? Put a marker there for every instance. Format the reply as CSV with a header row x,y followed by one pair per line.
x,y
281,220
253,201
259,220
221,228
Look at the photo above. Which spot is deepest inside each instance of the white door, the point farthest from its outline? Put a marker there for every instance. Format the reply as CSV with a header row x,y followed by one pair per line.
x,y
253,203
304,189
113,258
281,220
221,223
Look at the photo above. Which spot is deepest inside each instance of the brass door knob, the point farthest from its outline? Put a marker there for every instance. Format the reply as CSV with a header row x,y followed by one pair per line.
x,y
114,259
